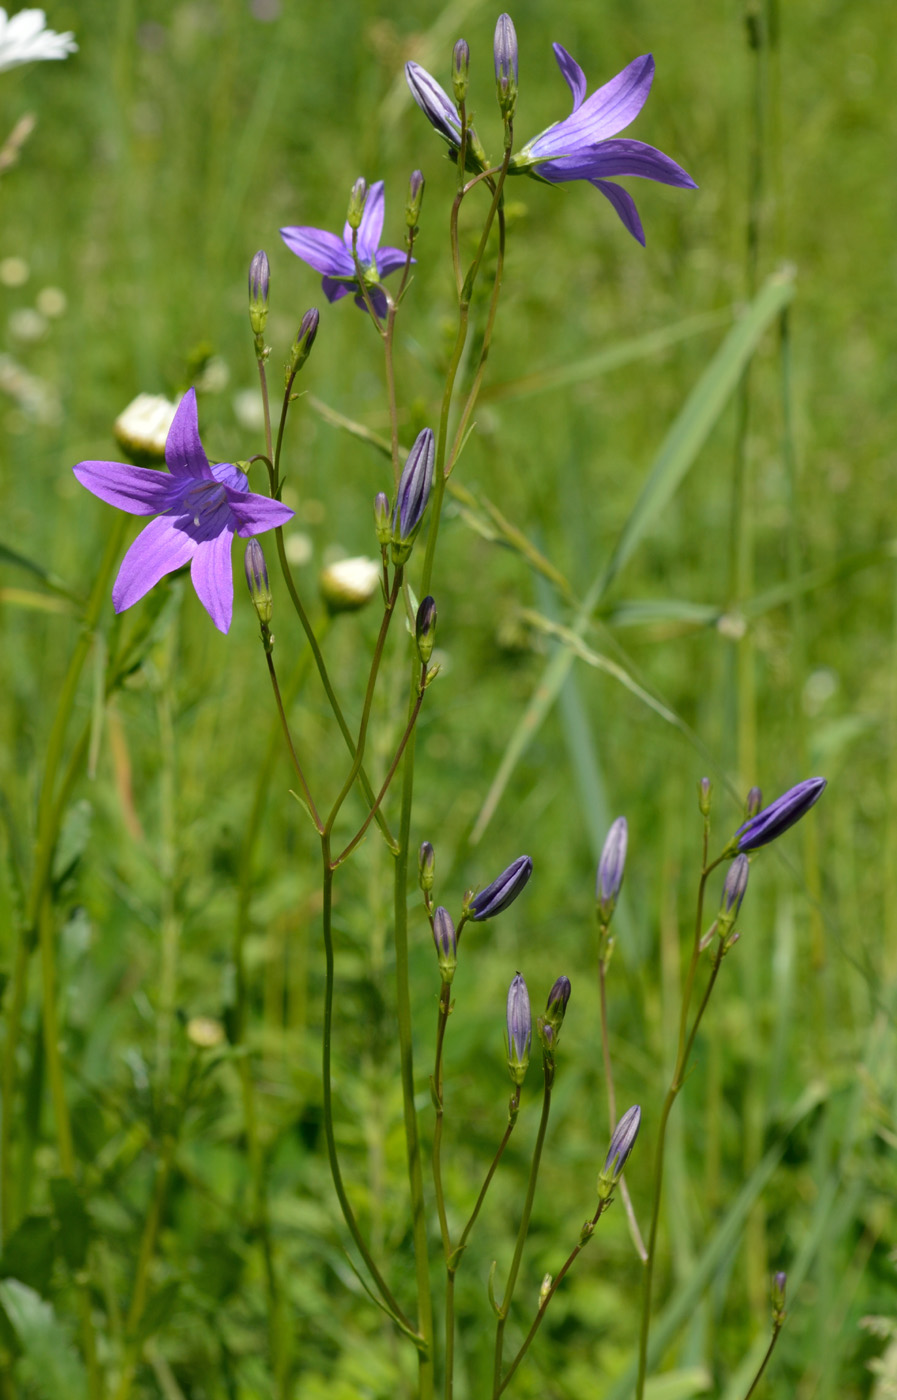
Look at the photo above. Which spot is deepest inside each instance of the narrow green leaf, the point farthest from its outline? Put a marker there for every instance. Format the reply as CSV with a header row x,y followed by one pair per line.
x,y
679,1385
31,566
48,1363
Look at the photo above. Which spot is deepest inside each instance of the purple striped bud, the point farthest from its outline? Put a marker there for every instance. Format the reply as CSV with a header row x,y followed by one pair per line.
x,y
734,888
621,1144
446,942
610,869
754,801
257,580
506,65
502,892
382,518
426,865
259,277
775,819
414,492
779,1281
415,199
550,1024
705,796
305,339
425,629
520,1029
460,70
357,200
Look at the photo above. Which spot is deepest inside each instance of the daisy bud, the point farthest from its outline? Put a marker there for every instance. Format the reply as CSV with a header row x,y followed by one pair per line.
x,y
415,199
502,892
520,1029
258,292
257,580
301,347
142,428
506,65
621,1144
610,870
446,942
775,819
356,203
382,518
414,492
754,801
426,866
460,70
348,584
705,795
425,629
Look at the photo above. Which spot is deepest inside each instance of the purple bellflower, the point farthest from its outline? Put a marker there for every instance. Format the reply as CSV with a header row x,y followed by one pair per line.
x,y
441,112
610,869
503,891
520,1029
331,255
199,507
585,146
769,824
621,1144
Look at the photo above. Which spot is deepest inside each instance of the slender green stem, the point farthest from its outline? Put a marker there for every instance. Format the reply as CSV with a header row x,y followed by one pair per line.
x,y
388,779
473,395
776,1329
632,1221
393,1307
686,1041
263,379
284,722
548,1069
512,1119
445,1006
144,1262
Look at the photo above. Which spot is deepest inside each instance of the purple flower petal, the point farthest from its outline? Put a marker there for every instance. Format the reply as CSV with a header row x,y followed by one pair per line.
x,y
388,259
231,476
573,75
323,251
371,226
254,514
434,102
159,549
335,290
628,157
378,298
607,112
625,206
212,576
184,453
138,490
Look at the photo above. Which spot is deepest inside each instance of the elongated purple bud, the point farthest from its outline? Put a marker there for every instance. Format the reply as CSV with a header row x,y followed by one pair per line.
x,y
705,796
775,819
382,518
734,888
779,1282
621,1144
460,70
305,339
520,1029
415,199
506,64
446,942
357,200
550,1024
259,277
414,492
257,581
754,801
434,102
610,869
502,892
426,866
425,629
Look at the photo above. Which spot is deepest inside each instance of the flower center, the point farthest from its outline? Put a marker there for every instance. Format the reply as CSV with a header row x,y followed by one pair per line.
x,y
203,501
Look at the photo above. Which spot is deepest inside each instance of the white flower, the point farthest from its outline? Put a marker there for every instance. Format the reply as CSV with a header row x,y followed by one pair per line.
x,y
23,39
142,427
348,584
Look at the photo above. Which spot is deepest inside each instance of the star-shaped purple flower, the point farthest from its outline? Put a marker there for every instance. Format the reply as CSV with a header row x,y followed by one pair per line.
x,y
581,147
332,256
200,508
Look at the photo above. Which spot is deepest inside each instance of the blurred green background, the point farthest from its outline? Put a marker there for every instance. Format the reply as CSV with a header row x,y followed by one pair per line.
x,y
760,609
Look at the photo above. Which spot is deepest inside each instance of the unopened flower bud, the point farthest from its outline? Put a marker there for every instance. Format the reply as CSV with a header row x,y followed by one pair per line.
x,y
257,580
705,796
506,65
446,941
520,1029
502,892
610,870
142,428
356,203
258,292
754,801
621,1144
415,199
733,891
460,70
414,492
545,1291
775,819
426,866
779,1281
305,339
425,629
382,518
550,1024
348,584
